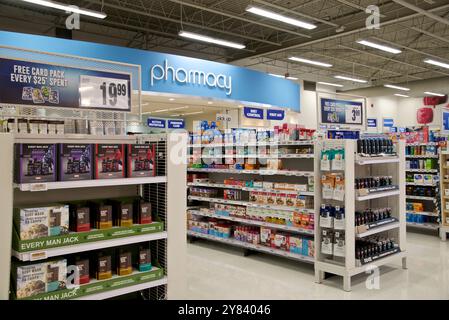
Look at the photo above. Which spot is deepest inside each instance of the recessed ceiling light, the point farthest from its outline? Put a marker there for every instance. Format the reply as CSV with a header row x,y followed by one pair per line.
x,y
308,61
65,7
220,42
401,95
437,63
391,86
351,79
434,94
330,84
379,46
279,17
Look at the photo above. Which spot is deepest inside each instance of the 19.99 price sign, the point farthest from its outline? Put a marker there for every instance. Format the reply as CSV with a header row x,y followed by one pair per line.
x,y
104,93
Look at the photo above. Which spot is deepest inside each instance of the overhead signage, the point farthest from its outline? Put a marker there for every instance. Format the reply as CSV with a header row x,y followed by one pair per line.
x,y
402,129
341,112
253,113
167,73
40,84
156,123
445,119
393,129
221,117
273,114
371,122
176,124
388,122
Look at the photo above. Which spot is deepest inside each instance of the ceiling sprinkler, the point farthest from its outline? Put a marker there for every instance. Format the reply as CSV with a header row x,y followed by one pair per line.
x,y
340,29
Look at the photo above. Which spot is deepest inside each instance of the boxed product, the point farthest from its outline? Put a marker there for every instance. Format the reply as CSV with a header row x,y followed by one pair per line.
x,y
291,200
103,265
122,211
281,199
267,185
428,179
301,201
418,178
82,263
34,163
109,161
56,275
141,160
300,187
79,216
281,241
75,162
265,236
101,214
308,248
295,244
124,264
142,211
144,259
33,223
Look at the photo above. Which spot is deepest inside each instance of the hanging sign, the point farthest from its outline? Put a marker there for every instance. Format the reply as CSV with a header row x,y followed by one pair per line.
x,y
221,117
388,122
273,114
156,123
445,119
253,113
176,124
393,129
39,84
371,122
341,112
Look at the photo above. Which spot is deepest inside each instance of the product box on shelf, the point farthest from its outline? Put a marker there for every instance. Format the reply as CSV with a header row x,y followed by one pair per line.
x,y
123,262
142,211
109,161
295,244
103,265
144,259
79,216
83,265
141,159
75,162
38,222
122,211
34,163
100,214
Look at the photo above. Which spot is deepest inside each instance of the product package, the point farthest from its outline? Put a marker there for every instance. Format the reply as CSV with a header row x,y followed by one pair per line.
x,y
103,269
75,162
141,160
82,263
34,223
142,211
122,211
124,265
109,161
144,259
79,216
35,163
100,214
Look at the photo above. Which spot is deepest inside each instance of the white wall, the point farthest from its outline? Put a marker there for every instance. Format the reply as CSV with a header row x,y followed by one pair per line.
x,y
382,107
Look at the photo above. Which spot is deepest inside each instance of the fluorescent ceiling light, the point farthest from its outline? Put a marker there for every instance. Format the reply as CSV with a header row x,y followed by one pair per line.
x,y
283,77
69,8
437,63
351,79
316,63
160,110
330,84
396,87
434,94
401,95
279,17
292,78
379,46
209,102
171,99
200,37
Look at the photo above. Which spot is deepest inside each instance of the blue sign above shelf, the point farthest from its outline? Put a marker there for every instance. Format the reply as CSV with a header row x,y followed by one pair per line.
x,y
253,113
275,114
176,124
388,122
371,122
156,123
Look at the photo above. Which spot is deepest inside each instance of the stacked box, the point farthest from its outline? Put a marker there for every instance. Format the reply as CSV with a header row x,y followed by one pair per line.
x,y
141,160
79,216
35,163
109,161
75,162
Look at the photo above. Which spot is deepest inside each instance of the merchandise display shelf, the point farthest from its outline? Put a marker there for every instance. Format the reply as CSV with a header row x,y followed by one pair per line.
x,y
422,170
420,198
262,172
44,186
89,246
255,247
69,138
375,230
424,213
428,226
253,144
375,160
377,195
418,144
421,184
422,156
253,222
250,204
259,156
227,186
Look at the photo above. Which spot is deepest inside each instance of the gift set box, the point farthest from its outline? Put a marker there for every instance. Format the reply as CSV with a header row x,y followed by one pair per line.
x,y
109,161
141,159
35,163
75,162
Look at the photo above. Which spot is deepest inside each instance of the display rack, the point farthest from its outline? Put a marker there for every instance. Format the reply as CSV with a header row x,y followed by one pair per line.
x,y
300,168
159,191
444,183
338,256
428,216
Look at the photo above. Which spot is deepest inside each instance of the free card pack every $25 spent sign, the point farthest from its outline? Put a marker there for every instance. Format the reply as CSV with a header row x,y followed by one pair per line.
x,y
39,84
341,112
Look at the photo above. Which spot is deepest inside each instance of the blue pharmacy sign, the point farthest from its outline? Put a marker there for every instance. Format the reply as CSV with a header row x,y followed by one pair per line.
x,y
273,114
388,122
253,113
341,112
156,123
445,119
371,122
176,124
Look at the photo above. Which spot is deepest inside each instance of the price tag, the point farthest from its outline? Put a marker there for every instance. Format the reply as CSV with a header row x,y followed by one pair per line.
x,y
104,93
38,255
38,187
353,114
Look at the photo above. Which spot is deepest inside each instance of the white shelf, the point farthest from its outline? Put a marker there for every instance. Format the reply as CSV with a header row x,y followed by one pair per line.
x,y
382,228
377,195
421,184
54,252
226,186
376,160
255,247
261,144
68,138
121,291
422,170
423,144
424,213
253,222
420,198
259,172
434,156
428,226
250,204
44,186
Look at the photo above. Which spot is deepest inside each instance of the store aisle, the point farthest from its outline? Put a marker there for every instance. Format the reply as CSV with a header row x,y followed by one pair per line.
x,y
217,271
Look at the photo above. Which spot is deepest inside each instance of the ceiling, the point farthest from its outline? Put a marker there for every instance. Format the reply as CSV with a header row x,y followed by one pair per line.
x,y
420,28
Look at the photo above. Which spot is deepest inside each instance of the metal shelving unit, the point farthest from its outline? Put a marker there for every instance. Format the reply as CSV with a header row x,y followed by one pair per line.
x,y
444,200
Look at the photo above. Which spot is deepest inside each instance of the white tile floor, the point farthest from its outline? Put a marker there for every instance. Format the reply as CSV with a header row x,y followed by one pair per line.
x,y
216,271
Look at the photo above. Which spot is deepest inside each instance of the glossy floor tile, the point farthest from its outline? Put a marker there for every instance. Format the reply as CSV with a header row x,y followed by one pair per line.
x,y
217,271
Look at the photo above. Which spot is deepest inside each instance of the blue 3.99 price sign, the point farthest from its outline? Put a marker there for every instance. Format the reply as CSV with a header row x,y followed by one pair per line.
x,y
341,112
